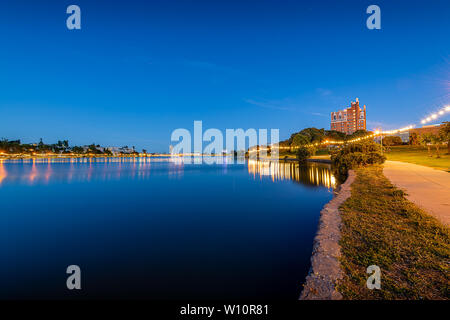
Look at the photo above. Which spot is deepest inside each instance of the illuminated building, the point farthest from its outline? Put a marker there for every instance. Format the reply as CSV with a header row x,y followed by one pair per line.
x,y
350,119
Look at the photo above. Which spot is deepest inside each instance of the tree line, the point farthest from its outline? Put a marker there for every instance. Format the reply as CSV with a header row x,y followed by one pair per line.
x,y
430,139
61,147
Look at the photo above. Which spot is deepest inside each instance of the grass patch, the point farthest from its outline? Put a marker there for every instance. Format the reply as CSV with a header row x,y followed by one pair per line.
x,y
419,155
381,227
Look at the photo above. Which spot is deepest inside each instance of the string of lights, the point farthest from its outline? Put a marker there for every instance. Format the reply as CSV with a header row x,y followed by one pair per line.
x,y
434,116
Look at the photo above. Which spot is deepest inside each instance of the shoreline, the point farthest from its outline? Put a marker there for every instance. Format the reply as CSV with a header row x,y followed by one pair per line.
x,y
22,157
325,270
84,156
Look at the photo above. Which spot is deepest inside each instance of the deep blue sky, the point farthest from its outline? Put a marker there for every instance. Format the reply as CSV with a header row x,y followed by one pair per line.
x,y
139,69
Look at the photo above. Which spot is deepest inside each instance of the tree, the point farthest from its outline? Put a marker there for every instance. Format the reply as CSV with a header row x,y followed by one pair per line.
x,y
426,140
413,138
358,134
314,135
444,132
41,145
436,140
303,153
78,150
392,141
335,135
299,140
356,154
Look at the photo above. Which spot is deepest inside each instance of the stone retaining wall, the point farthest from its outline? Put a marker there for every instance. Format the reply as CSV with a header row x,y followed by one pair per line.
x,y
325,269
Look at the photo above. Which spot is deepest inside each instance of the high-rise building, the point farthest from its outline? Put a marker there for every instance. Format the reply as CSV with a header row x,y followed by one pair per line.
x,y
350,119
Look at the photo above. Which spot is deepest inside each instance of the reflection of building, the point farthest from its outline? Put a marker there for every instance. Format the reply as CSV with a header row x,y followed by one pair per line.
x,y
350,119
312,174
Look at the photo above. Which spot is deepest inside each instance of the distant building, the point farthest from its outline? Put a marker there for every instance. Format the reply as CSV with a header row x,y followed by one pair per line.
x,y
406,135
119,150
88,148
350,119
433,128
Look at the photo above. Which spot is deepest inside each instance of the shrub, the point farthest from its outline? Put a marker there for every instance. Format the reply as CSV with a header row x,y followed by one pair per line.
x,y
444,132
356,155
426,139
303,153
413,138
392,141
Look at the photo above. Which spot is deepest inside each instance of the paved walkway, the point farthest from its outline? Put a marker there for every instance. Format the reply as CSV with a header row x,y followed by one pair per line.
x,y
427,187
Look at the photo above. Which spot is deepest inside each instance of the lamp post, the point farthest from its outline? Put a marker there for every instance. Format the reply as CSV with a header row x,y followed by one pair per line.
x,y
380,132
381,142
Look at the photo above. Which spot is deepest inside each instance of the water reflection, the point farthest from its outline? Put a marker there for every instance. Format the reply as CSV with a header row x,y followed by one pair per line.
x,y
311,174
130,214
34,171
43,171
3,172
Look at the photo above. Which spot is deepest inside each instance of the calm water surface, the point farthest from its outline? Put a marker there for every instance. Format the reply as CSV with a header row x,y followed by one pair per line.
x,y
158,228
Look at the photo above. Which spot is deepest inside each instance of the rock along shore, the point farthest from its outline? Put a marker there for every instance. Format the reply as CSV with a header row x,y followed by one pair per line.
x,y
325,268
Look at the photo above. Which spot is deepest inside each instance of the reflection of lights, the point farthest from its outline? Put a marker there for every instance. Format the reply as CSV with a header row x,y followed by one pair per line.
x,y
33,172
39,173
3,172
333,180
278,171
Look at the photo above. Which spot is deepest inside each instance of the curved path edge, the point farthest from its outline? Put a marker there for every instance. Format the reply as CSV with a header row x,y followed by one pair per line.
x,y
426,187
325,268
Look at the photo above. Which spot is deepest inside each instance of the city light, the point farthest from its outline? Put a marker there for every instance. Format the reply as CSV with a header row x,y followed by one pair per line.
x,y
398,130
434,116
376,133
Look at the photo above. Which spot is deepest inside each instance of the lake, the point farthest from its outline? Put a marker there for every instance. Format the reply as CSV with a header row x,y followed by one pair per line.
x,y
159,228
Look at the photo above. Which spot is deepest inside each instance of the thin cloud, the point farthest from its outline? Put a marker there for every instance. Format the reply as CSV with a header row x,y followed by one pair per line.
x,y
210,66
319,114
274,105
324,92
